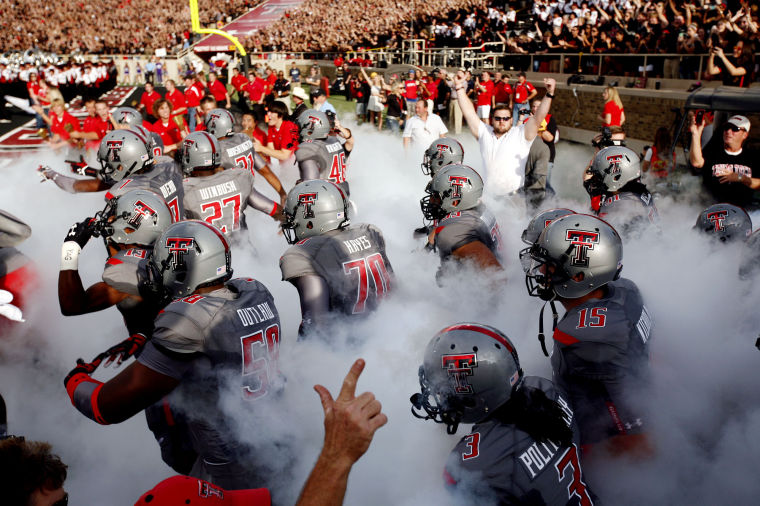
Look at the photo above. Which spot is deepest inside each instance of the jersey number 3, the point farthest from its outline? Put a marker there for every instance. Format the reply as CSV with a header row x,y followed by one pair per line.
x,y
375,265
260,354
576,487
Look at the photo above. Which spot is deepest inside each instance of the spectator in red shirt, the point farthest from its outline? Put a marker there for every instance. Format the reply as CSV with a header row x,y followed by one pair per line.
x,y
255,91
522,95
282,135
431,85
238,79
33,87
502,91
218,90
410,92
613,113
176,97
484,89
147,100
192,100
172,129
61,123
96,125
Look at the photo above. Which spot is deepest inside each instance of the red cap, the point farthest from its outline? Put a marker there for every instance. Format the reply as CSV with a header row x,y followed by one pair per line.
x,y
184,490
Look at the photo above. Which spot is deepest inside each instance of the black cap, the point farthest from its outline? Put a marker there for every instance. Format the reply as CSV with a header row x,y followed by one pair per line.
x,y
319,92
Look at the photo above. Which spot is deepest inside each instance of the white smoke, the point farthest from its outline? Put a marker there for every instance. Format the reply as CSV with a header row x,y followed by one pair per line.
x,y
705,407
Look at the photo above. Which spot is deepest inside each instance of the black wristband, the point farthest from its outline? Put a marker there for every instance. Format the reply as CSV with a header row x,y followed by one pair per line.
x,y
549,95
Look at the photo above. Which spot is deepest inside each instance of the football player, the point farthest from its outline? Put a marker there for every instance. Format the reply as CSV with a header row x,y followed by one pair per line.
x,y
725,223
320,156
237,149
524,447
440,153
336,268
216,195
601,344
129,225
127,163
464,229
536,225
214,328
18,277
614,178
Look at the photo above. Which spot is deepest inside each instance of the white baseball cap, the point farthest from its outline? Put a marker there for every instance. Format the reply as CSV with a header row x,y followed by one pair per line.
x,y
740,122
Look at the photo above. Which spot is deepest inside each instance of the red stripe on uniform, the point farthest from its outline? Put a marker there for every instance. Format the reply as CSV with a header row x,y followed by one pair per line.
x,y
113,261
564,338
438,229
168,413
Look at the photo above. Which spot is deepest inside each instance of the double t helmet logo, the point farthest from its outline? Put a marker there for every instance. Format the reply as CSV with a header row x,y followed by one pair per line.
x,y
307,200
460,366
718,218
142,210
178,247
457,183
583,242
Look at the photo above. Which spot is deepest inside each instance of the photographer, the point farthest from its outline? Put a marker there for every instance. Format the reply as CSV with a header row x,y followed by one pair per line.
x,y
729,171
735,69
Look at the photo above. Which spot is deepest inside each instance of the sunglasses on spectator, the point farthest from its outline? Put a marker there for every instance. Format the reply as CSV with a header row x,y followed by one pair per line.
x,y
734,128
502,118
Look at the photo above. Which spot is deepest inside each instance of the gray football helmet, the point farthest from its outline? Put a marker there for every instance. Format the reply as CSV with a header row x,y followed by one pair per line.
x,y
725,222
154,140
313,125
219,123
613,167
121,153
468,372
189,255
199,150
140,216
128,116
573,256
312,208
440,153
540,221
537,225
455,187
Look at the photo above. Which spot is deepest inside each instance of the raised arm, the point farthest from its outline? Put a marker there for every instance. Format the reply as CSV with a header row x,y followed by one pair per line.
x,y
468,111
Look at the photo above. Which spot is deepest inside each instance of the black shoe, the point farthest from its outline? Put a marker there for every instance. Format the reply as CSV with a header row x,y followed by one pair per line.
x,y
694,86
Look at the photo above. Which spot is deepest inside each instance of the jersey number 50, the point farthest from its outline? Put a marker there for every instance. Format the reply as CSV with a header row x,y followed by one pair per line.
x,y
261,352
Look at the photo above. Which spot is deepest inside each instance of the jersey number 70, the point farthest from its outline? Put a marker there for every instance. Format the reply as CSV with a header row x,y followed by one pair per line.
x,y
375,265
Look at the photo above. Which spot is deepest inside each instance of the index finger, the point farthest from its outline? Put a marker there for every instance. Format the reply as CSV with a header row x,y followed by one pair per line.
x,y
348,390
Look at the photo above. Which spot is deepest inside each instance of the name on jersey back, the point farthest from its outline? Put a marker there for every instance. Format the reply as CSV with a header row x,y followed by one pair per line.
x,y
240,148
255,314
356,245
217,190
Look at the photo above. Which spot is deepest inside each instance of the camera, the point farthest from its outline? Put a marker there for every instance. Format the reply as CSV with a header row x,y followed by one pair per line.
x,y
700,117
605,140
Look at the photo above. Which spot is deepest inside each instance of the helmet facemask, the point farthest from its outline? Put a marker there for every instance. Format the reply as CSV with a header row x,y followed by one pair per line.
x,y
543,273
438,404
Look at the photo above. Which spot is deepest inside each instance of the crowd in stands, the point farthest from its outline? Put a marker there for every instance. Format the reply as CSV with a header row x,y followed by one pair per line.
x,y
107,26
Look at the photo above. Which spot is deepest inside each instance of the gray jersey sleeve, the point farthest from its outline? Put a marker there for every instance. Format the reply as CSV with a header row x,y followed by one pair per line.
x,y
164,362
125,270
258,162
13,231
177,330
454,232
296,262
309,159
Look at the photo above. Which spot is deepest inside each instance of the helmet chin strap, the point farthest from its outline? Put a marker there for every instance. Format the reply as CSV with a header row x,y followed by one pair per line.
x,y
555,317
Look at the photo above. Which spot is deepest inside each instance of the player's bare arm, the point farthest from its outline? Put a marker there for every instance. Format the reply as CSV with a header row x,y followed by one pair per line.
x,y
478,253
